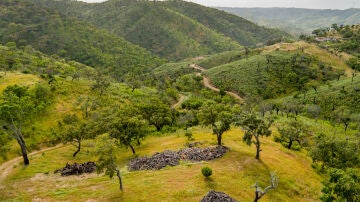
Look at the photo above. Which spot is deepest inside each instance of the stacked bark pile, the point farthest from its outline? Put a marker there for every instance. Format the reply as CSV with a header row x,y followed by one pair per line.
x,y
155,162
214,196
172,158
202,154
77,169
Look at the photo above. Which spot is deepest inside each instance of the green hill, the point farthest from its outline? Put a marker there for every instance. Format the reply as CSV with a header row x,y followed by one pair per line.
x,y
171,29
275,72
53,33
297,20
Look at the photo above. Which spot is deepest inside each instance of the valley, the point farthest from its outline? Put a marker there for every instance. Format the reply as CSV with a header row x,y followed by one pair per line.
x,y
119,81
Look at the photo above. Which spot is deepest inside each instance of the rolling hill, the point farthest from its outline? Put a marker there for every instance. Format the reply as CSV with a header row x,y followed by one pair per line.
x,y
53,33
170,29
297,20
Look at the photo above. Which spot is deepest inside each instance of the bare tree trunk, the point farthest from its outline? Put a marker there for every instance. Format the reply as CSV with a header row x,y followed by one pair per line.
x,y
23,151
290,144
346,126
138,142
78,148
219,138
257,147
158,128
256,196
119,177
132,148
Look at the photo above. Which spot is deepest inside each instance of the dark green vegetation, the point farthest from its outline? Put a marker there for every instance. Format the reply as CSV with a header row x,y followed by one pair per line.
x,y
297,20
206,171
270,75
170,29
53,33
305,96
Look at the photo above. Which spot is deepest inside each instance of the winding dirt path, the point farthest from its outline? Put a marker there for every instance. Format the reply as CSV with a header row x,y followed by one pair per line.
x,y
207,83
181,100
7,167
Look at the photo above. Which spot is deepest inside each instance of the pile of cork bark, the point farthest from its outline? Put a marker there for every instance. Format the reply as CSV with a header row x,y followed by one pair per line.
x,y
172,158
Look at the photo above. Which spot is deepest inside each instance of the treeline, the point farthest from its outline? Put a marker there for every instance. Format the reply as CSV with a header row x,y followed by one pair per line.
x,y
337,39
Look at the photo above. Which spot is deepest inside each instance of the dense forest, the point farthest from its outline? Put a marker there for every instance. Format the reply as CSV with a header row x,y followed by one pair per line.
x,y
171,29
177,101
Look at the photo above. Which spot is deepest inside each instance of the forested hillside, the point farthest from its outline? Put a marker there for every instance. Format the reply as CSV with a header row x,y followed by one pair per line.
x,y
53,33
171,29
297,20
227,117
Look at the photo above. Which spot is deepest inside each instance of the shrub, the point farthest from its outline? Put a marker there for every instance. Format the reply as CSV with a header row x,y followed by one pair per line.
x,y
189,135
206,171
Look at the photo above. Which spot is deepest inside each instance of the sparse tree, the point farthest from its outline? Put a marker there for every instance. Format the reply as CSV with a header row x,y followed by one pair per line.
x,y
101,84
255,128
133,81
106,150
218,116
156,113
127,126
74,130
295,131
16,110
343,116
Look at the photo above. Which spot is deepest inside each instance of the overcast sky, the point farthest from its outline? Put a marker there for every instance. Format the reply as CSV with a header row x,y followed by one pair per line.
x,y
316,4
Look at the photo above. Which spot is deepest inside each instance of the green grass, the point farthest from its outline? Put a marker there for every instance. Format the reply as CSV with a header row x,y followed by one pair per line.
x,y
253,76
65,101
322,55
221,58
234,174
12,78
343,93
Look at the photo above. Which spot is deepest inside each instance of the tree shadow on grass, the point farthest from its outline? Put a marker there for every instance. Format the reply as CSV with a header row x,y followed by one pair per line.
x,y
264,165
210,183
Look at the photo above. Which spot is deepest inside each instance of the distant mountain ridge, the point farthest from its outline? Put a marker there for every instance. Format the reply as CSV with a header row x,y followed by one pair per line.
x,y
169,29
297,20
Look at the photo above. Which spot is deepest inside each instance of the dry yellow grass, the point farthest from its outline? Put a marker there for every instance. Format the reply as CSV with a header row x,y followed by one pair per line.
x,y
234,174
12,78
326,57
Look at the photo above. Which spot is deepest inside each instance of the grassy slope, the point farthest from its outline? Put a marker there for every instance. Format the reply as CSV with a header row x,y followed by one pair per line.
x,y
343,92
233,174
65,101
242,74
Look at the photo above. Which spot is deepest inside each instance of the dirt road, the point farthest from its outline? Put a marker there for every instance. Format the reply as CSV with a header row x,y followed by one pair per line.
x,y
7,167
207,83
180,101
